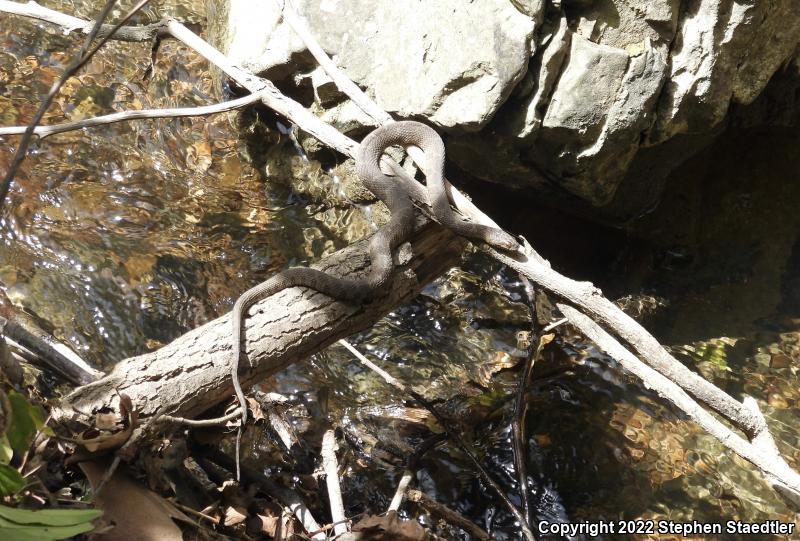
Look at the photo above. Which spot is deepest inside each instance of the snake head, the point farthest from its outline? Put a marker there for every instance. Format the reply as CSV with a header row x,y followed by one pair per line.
x,y
503,241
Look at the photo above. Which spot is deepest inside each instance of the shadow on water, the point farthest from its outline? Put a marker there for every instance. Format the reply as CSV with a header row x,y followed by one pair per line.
x,y
124,237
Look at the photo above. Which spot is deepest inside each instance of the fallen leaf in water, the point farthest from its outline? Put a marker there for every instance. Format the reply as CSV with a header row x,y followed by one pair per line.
x,y
198,156
87,108
139,265
487,370
777,401
230,171
8,113
28,65
780,360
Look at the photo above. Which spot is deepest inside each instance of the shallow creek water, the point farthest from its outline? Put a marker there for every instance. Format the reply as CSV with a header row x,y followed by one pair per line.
x,y
123,237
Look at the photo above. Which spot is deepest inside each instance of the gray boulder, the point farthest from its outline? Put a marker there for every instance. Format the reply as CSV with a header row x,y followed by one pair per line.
x,y
452,62
588,101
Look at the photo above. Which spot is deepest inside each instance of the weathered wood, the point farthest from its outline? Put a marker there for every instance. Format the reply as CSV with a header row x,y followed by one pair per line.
x,y
192,374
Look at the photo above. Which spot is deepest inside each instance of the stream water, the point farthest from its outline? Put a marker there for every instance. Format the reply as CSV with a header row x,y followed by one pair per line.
x,y
121,238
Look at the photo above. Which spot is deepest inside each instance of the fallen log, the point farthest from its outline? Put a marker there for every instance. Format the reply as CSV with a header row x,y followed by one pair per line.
x,y
192,374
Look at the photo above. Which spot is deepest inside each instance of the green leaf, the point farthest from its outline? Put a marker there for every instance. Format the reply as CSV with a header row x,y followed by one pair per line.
x,y
10,531
6,452
48,517
26,419
10,480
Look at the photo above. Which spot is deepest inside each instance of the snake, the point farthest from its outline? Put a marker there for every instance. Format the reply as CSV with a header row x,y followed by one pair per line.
x,y
384,241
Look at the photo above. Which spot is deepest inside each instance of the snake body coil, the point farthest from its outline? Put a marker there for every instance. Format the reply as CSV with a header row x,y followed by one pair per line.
x,y
388,237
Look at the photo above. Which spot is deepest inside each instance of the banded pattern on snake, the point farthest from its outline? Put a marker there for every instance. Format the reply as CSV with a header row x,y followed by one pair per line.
x,y
382,243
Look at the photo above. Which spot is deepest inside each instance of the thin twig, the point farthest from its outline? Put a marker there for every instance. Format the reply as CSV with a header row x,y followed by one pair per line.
x,y
400,493
51,498
36,11
31,447
82,58
198,514
342,81
45,131
107,476
555,324
456,438
332,525
387,377
199,422
32,470
519,440
331,467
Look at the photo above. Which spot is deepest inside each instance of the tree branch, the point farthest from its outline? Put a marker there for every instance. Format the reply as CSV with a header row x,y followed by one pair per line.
x,y
331,468
44,131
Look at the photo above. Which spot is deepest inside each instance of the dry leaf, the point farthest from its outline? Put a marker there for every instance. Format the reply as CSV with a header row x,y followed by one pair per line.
x,y
255,409
139,265
235,515
286,530
546,339
269,524
198,156
134,511
95,439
